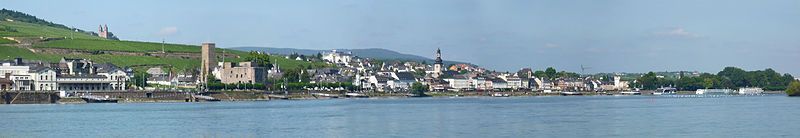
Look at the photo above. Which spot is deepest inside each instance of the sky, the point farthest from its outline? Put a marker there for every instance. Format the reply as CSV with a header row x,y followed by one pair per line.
x,y
504,35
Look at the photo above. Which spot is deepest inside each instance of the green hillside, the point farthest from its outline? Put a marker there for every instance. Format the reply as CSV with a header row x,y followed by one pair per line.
x,y
108,45
23,29
77,40
6,41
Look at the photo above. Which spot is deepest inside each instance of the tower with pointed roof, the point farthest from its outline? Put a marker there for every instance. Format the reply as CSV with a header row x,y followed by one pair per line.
x,y
437,65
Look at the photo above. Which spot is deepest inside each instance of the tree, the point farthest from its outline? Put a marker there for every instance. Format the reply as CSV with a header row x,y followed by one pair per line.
x,y
648,81
550,72
708,83
793,89
418,89
539,74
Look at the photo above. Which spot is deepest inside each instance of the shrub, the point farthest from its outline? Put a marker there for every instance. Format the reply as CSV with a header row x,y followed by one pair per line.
x,y
793,89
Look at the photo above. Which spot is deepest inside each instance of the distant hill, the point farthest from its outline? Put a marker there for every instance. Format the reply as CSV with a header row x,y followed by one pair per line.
x,y
374,53
28,37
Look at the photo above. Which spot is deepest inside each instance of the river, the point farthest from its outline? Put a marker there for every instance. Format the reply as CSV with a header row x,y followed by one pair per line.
x,y
546,116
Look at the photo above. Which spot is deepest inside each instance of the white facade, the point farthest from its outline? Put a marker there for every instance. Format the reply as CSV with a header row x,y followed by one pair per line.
x,y
338,57
19,75
459,83
45,80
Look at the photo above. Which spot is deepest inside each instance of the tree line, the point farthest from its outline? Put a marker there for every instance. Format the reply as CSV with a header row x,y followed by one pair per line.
x,y
730,78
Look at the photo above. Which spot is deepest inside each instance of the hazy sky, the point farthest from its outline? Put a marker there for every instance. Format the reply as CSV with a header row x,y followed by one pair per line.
x,y
606,35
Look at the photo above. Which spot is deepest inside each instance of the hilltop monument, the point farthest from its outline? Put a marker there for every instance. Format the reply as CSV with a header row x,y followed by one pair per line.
x,y
104,33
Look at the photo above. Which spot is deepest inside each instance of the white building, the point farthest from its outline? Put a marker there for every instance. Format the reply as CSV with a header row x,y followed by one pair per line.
x,y
68,75
338,57
19,74
459,83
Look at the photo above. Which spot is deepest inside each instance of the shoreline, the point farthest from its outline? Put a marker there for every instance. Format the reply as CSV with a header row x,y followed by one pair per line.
x,y
241,96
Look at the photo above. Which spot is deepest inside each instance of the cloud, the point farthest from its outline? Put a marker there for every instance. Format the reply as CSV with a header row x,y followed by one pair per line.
x,y
677,32
167,31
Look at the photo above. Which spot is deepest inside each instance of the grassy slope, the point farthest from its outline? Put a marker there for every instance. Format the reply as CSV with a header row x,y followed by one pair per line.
x,y
91,43
6,41
7,52
106,45
35,30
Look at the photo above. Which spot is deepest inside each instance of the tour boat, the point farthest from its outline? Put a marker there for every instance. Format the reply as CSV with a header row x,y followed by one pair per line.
x,y
751,90
665,91
714,91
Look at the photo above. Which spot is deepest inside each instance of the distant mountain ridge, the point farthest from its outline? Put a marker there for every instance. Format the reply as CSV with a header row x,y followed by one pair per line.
x,y
375,53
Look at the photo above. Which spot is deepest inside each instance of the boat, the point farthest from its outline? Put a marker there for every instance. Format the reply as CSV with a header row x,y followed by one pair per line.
x,y
665,91
571,93
415,95
98,99
751,91
714,91
631,93
500,95
325,95
356,95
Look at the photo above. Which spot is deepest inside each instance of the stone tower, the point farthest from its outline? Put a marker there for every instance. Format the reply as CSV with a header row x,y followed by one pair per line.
x,y
208,62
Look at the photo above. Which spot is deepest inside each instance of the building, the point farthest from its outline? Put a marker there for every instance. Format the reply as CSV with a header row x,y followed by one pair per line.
x,y
158,76
243,72
338,57
104,33
459,83
82,75
16,72
208,61
5,83
403,80
67,75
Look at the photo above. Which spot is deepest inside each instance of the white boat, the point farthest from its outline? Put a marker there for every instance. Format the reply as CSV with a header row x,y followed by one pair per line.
x,y
714,91
571,93
500,95
751,91
665,91
631,93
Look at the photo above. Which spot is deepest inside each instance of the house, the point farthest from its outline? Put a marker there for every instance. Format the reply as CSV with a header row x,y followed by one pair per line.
x,y
338,57
403,80
459,83
379,83
499,84
158,76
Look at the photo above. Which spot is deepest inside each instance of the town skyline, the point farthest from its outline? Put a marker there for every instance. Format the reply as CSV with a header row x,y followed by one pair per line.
x,y
626,39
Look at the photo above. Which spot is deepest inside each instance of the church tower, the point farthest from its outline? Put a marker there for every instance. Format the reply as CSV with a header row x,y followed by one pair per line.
x,y
437,66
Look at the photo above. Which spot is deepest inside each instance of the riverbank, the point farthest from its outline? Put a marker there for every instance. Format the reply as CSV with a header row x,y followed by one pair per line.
x,y
159,97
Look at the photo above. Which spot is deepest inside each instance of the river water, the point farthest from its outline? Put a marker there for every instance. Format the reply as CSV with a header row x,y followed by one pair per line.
x,y
556,116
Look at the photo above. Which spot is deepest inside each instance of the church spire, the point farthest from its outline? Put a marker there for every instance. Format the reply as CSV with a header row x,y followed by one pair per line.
x,y
438,56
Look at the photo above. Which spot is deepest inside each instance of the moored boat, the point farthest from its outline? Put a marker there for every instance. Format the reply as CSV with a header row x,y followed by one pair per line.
x,y
665,91
751,91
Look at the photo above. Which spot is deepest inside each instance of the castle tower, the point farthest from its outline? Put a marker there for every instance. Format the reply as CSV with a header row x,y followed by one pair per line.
x,y
208,62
